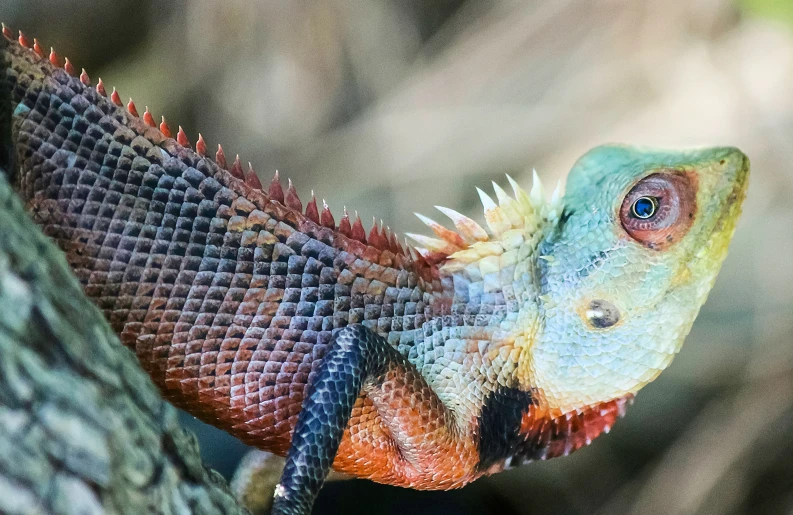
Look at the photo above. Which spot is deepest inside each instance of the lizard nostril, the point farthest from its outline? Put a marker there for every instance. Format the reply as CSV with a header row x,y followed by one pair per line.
x,y
601,314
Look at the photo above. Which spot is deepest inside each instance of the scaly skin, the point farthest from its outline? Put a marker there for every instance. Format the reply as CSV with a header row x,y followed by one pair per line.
x,y
481,350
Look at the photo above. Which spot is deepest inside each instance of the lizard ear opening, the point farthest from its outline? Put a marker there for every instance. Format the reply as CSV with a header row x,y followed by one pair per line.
x,y
659,210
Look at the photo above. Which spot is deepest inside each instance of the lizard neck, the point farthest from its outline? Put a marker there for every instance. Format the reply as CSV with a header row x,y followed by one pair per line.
x,y
481,317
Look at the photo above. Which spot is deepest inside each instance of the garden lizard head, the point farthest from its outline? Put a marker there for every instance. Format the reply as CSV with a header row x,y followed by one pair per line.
x,y
602,286
626,268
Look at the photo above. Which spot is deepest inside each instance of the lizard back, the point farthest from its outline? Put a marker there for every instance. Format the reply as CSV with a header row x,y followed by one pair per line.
x,y
228,297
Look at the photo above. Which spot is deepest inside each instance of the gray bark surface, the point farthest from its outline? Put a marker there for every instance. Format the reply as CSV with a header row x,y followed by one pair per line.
x,y
82,427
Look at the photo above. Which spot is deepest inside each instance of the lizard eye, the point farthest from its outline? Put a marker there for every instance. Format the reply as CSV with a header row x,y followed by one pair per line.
x,y
659,209
644,207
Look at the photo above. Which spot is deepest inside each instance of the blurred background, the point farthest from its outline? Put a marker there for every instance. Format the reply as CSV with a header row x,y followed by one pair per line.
x,y
392,106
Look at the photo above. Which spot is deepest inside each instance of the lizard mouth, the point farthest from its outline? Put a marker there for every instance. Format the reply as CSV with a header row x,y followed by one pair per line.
x,y
733,202
718,234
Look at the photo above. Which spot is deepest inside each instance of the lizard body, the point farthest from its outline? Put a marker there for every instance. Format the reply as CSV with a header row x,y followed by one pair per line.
x,y
423,368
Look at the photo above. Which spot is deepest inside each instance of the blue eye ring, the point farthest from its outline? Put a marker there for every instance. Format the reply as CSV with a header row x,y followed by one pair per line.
x,y
644,207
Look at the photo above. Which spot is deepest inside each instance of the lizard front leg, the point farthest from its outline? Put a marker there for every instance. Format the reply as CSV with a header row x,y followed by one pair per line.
x,y
421,429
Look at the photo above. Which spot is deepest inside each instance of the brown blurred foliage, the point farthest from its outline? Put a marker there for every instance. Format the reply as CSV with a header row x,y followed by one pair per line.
x,y
390,107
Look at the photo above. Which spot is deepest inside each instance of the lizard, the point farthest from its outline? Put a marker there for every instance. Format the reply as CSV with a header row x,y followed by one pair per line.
x,y
424,365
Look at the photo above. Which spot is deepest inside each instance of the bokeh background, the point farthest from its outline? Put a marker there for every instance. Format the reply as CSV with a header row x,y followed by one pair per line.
x,y
392,106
